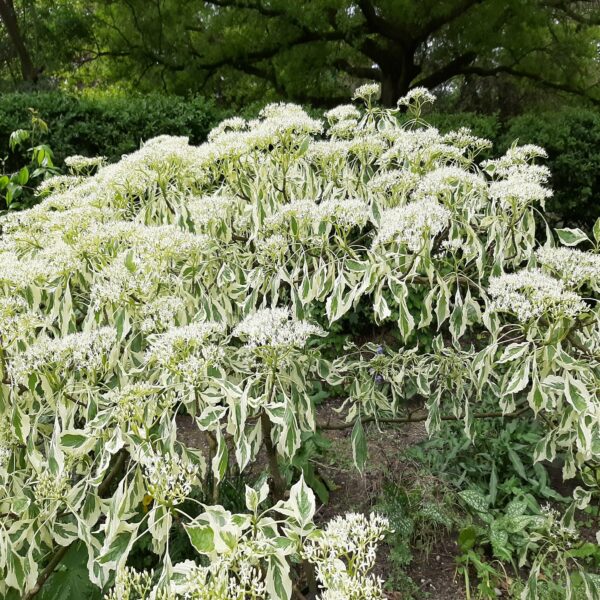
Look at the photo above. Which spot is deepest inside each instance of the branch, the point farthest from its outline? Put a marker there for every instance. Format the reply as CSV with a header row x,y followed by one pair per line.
x,y
265,53
421,417
565,7
362,72
378,24
563,87
436,23
453,68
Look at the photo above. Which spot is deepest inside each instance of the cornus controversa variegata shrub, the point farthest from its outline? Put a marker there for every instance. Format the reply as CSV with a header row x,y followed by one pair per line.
x,y
190,280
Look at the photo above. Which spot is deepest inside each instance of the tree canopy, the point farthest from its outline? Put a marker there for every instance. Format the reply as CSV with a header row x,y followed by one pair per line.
x,y
312,51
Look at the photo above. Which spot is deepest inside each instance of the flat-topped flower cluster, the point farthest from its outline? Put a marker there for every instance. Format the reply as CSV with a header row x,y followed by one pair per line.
x,y
532,294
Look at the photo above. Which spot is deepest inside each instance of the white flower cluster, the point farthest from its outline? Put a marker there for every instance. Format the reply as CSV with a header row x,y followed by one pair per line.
x,y
51,487
174,348
83,164
128,402
449,180
208,210
131,585
169,479
227,126
343,130
58,183
556,528
575,267
7,443
17,320
516,155
464,138
392,184
343,112
74,353
531,294
225,579
5,456
367,91
422,147
518,191
304,212
271,251
417,95
17,273
275,328
328,153
170,243
126,279
412,225
344,554
342,213
159,314
280,123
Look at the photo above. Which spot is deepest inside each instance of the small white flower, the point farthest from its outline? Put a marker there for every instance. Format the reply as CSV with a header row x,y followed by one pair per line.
x,y
367,91
168,478
343,112
275,328
413,224
171,348
84,164
81,352
518,190
418,95
573,266
530,294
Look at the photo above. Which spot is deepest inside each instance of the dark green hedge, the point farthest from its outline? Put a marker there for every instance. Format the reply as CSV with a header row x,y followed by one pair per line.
x,y
572,140
108,125
111,125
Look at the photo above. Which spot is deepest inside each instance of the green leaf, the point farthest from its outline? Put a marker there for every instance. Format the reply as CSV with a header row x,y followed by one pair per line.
x,y
77,442
220,461
201,537
279,584
576,394
513,352
474,499
571,237
467,538
23,176
116,550
302,502
519,378
499,539
359,445
71,581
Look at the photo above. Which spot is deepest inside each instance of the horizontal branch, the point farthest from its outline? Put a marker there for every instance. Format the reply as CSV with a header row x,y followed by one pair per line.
x,y
489,72
420,417
357,71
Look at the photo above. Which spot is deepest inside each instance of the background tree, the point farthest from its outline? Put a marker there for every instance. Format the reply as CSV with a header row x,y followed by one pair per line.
x,y
307,51
41,40
316,51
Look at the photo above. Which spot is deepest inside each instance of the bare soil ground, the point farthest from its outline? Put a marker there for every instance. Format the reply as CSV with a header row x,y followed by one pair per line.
x,y
434,572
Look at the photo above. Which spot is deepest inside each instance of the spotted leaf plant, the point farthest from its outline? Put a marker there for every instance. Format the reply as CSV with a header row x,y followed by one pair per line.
x,y
192,287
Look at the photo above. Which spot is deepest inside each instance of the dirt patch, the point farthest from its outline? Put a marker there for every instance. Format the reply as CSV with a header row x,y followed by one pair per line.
x,y
433,573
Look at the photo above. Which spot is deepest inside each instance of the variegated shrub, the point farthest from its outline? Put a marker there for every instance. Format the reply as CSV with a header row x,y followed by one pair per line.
x,y
190,280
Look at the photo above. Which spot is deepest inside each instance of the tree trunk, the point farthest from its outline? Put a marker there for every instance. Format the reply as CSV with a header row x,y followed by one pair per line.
x,y
397,73
9,18
393,86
